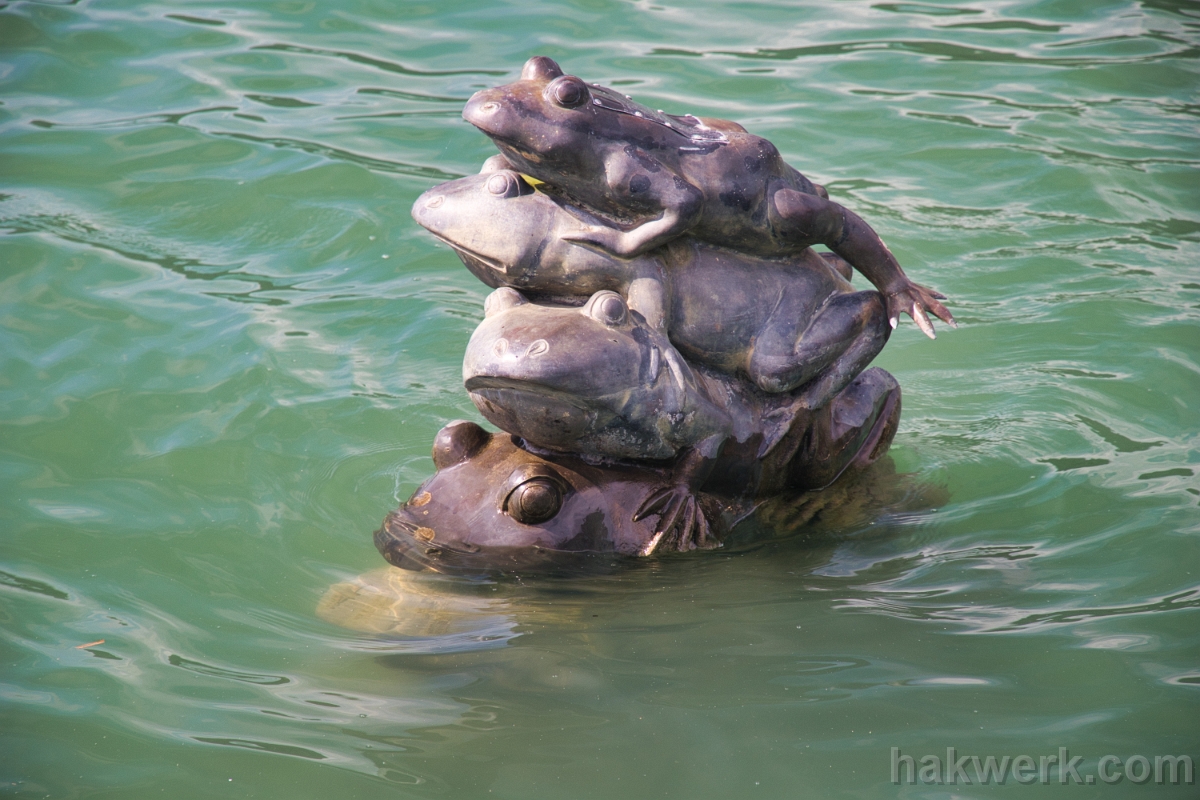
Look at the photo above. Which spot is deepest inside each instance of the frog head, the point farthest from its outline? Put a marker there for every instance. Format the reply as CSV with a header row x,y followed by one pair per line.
x,y
555,127
541,122
494,506
495,222
591,380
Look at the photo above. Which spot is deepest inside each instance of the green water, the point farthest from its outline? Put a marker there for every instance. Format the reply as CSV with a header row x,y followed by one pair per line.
x,y
225,349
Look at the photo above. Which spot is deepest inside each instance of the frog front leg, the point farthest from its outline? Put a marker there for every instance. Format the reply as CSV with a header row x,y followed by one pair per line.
x,y
808,219
682,522
642,184
647,292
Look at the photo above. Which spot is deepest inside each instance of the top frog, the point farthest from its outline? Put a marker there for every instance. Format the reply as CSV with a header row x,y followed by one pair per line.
x,y
663,176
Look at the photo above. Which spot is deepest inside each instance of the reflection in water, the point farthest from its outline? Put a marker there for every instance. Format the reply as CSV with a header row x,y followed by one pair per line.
x,y
427,605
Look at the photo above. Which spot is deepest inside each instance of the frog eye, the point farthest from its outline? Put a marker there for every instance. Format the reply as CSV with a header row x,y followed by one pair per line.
x,y
507,184
568,91
502,300
534,501
540,68
457,442
536,496
607,307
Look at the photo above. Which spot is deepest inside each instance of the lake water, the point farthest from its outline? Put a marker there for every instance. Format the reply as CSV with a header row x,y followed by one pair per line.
x,y
225,349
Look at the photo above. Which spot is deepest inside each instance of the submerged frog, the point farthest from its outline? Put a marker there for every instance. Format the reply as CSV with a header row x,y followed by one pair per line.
x,y
781,323
496,505
660,176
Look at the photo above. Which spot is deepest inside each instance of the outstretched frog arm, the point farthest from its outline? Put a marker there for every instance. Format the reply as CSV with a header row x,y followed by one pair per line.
x,y
807,218
682,522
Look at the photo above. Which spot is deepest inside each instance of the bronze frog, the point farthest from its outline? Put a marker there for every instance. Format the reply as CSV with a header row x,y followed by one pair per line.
x,y
495,504
782,323
657,176
599,382
595,380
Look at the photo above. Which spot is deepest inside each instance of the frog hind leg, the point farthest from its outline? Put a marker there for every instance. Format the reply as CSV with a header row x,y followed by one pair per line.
x,y
840,341
802,219
864,312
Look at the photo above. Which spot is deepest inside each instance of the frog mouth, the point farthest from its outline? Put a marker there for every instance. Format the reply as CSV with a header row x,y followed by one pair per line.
x,y
474,261
404,543
547,417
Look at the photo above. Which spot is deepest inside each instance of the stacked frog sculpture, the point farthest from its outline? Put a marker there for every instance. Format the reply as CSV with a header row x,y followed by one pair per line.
x,y
663,346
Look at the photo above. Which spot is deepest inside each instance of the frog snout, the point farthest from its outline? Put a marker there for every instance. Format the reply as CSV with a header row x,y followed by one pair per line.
x,y
407,541
398,545
480,105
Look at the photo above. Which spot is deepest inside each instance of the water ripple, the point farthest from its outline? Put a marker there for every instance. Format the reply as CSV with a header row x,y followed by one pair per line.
x,y
370,61
944,51
226,349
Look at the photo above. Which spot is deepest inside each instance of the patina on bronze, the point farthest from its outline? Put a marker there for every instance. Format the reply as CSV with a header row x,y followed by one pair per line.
x,y
781,323
661,175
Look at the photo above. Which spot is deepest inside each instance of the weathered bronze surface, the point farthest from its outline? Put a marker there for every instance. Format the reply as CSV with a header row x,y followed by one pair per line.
x,y
659,176
496,504
782,323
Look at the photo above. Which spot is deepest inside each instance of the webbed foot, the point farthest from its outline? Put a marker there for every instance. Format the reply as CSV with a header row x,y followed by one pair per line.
x,y
916,300
682,523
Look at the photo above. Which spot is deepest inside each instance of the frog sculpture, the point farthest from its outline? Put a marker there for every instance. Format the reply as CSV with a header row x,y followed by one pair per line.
x,y
595,380
663,350
659,176
495,504
598,381
782,323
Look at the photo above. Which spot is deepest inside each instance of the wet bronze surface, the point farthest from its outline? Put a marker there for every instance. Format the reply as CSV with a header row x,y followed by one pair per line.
x,y
780,323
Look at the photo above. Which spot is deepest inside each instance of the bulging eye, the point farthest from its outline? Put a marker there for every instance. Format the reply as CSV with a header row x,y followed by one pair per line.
x,y
500,183
534,501
536,494
508,184
568,91
608,307
457,442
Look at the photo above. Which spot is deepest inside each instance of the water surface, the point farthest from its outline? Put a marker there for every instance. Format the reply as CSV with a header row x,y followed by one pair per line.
x,y
225,349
